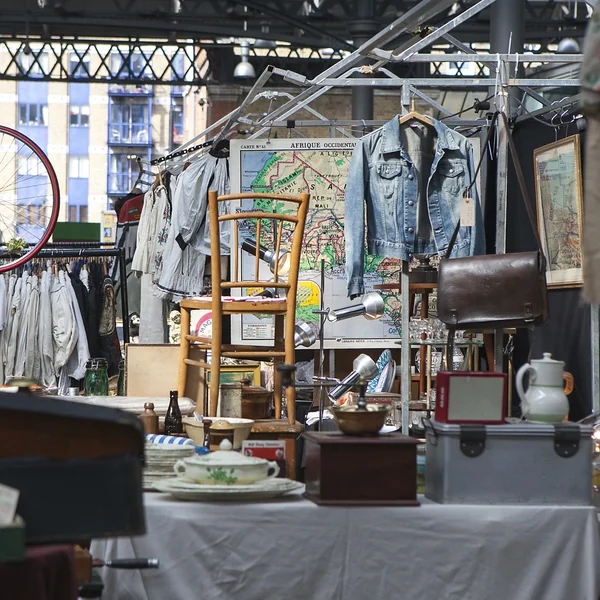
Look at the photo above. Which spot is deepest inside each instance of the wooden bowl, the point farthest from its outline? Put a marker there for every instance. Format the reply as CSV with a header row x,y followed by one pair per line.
x,y
360,421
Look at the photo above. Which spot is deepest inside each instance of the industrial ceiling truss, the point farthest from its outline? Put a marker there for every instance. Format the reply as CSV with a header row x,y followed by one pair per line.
x,y
300,23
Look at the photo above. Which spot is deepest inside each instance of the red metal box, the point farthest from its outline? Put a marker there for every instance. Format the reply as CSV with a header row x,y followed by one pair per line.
x,y
470,397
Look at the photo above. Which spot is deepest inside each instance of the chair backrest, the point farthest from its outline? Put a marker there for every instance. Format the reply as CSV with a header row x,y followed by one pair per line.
x,y
264,222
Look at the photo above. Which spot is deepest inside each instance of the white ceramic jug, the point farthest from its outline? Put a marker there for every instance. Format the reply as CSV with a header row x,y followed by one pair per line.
x,y
546,398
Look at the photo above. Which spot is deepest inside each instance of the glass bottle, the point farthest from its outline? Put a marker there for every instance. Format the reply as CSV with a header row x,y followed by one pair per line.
x,y
173,421
121,381
149,418
96,377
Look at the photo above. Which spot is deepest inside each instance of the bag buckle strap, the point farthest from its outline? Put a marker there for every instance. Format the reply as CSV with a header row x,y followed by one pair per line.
x,y
528,312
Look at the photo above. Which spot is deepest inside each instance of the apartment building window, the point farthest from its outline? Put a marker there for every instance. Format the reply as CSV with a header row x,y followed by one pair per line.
x,y
33,114
79,65
31,214
30,166
129,121
79,115
122,172
176,122
78,213
129,66
79,167
33,64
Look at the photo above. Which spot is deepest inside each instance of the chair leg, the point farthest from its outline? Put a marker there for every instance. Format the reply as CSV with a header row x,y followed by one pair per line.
x,y
290,359
278,345
215,366
184,352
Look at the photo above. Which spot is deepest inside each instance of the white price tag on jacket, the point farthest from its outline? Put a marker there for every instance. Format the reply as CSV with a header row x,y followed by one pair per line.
x,y
9,497
467,212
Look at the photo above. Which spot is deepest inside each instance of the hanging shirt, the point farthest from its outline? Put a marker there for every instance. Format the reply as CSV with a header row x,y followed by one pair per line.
x,y
27,360
185,254
64,331
81,354
47,372
15,315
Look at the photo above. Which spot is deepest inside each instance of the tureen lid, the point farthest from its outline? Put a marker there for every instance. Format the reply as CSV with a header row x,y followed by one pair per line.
x,y
225,457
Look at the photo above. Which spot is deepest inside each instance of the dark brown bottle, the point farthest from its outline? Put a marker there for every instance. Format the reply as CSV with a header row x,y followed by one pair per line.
x,y
173,422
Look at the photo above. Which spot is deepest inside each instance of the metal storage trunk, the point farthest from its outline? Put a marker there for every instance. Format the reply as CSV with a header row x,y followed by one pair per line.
x,y
523,463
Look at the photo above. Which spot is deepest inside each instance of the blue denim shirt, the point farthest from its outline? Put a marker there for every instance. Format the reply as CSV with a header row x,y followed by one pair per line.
x,y
394,186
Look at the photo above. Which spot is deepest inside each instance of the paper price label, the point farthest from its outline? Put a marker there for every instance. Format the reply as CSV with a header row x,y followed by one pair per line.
x,y
467,212
9,497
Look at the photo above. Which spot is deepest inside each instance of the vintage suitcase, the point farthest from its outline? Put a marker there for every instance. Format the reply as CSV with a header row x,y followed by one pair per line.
x,y
524,463
78,468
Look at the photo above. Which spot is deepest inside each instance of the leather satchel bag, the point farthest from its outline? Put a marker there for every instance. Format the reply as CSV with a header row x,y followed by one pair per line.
x,y
495,290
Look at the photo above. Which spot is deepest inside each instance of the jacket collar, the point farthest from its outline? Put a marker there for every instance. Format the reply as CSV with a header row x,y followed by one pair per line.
x,y
391,136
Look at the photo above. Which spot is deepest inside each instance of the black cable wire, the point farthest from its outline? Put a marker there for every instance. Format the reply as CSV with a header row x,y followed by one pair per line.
x,y
464,110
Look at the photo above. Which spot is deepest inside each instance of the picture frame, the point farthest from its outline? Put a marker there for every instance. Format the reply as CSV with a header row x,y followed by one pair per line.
x,y
559,208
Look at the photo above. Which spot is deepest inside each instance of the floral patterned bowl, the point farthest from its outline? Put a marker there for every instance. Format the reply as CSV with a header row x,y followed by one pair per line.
x,y
225,467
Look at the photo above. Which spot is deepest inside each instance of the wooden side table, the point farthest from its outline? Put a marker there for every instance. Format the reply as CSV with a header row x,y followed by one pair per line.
x,y
278,429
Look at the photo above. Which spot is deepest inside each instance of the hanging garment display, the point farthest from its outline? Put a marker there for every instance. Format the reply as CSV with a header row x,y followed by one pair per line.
x,y
412,178
45,323
188,242
109,340
48,373
163,229
153,309
590,106
127,227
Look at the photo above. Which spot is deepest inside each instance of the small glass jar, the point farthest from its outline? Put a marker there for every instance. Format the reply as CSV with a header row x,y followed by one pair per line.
x,y
121,381
96,377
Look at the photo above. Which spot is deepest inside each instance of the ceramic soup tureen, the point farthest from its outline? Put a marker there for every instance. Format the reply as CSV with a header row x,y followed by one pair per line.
x,y
225,467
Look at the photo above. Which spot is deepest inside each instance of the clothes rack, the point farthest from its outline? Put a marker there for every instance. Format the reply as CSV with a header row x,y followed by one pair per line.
x,y
83,250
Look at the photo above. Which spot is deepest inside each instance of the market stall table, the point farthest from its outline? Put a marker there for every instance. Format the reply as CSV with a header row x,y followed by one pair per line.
x,y
291,548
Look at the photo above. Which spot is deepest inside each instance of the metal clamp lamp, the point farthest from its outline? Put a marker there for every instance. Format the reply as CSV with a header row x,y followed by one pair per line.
x,y
371,307
363,366
269,256
304,335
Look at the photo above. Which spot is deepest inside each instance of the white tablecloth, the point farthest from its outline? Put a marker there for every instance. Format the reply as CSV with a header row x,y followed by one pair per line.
x,y
293,549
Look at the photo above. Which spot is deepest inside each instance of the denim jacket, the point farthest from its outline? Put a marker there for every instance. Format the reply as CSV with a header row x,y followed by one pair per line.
x,y
395,181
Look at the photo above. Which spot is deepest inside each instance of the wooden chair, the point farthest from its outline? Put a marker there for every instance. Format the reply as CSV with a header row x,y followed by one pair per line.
x,y
273,231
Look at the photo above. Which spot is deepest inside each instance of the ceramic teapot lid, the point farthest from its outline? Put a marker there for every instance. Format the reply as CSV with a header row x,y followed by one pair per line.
x,y
547,359
225,457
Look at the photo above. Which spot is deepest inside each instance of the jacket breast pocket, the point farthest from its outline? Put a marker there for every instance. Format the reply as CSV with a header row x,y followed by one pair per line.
x,y
452,176
389,174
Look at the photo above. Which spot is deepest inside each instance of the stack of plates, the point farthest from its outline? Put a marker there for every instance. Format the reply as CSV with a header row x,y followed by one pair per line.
x,y
160,462
181,489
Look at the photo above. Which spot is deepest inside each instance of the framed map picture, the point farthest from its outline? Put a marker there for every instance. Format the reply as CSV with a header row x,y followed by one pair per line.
x,y
559,203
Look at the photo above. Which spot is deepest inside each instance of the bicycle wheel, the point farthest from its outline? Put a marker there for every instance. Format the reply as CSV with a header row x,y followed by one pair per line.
x,y
29,199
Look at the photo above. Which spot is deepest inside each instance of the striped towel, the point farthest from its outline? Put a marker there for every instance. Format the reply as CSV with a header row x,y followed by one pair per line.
x,y
171,440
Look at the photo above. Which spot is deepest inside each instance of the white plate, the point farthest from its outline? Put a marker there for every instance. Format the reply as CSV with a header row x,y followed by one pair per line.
x,y
161,449
262,490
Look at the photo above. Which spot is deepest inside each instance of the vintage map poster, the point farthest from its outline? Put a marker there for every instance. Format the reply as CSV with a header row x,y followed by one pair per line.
x,y
558,187
320,167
